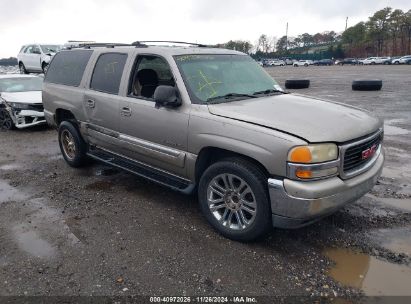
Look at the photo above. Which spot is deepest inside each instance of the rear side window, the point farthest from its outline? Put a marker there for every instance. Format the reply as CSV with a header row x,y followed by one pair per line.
x,y
107,73
67,67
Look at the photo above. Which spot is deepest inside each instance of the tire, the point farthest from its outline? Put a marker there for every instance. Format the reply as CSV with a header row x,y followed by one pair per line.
x,y
297,83
306,65
44,67
396,62
72,145
6,123
296,65
367,85
22,68
232,217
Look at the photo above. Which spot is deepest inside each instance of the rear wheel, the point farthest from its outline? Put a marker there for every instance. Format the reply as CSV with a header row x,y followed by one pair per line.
x,y
234,199
6,123
72,145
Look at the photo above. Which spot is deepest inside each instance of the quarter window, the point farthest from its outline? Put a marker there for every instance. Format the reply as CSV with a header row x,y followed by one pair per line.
x,y
67,67
107,73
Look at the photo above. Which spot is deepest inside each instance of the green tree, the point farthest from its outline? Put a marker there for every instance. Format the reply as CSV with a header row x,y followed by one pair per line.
x,y
378,29
281,45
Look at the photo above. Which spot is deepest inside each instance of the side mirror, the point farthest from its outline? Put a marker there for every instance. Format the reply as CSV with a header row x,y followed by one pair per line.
x,y
166,96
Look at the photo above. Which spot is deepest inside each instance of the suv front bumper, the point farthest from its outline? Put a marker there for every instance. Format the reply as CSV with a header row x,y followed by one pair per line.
x,y
296,204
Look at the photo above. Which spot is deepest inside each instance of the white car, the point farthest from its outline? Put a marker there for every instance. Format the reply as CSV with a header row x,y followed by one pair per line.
x,y
278,63
303,63
376,60
21,103
405,59
36,57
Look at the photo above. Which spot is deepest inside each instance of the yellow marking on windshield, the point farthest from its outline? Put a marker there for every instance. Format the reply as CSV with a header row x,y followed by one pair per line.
x,y
208,84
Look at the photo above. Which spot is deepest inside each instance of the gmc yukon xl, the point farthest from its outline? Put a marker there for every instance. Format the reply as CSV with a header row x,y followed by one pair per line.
x,y
208,120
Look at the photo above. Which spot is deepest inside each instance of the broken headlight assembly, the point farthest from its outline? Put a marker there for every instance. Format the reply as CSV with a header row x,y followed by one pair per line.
x,y
18,105
313,162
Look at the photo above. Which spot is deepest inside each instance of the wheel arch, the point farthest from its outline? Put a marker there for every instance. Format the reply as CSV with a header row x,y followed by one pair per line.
x,y
210,154
63,115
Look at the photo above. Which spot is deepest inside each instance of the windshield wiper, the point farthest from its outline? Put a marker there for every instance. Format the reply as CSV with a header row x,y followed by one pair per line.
x,y
269,91
230,96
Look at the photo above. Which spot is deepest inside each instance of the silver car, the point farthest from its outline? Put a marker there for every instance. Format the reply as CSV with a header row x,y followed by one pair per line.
x,y
20,101
214,122
36,57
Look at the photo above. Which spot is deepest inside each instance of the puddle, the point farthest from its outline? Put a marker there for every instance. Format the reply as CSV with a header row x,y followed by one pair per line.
x,y
99,185
397,240
391,172
9,167
30,242
374,277
389,129
9,193
404,204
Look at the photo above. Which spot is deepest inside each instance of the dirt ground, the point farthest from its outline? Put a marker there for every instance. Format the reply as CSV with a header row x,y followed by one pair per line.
x,y
100,231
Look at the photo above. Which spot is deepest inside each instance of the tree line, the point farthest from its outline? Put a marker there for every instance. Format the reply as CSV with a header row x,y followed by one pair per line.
x,y
386,33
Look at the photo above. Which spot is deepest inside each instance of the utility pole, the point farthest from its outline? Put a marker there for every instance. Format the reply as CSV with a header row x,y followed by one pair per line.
x,y
286,37
346,23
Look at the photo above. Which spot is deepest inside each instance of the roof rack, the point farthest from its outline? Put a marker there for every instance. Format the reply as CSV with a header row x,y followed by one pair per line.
x,y
97,44
144,43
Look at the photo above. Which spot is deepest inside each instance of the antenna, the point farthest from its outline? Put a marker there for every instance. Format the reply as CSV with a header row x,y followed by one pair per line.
x,y
286,37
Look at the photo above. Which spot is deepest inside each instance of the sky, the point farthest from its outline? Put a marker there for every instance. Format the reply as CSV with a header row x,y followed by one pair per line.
x,y
202,21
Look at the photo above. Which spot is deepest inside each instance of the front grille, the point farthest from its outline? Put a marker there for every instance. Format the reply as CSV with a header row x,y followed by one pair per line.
x,y
353,155
36,107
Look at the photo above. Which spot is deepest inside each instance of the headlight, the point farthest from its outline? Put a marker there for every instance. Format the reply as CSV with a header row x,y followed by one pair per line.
x,y
313,153
313,161
19,106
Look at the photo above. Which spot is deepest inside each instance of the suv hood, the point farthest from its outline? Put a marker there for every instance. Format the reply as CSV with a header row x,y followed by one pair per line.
x,y
309,118
30,97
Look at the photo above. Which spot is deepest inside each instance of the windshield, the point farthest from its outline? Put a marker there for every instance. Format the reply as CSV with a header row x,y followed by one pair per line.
x,y
209,77
23,84
50,48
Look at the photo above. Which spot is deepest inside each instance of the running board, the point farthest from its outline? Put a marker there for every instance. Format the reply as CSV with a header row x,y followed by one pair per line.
x,y
150,173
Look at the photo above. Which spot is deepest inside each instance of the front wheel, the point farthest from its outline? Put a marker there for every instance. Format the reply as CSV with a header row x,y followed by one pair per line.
x,y
6,123
22,68
72,145
45,67
234,199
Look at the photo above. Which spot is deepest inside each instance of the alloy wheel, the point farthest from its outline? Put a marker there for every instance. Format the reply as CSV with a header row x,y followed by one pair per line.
x,y
231,201
68,143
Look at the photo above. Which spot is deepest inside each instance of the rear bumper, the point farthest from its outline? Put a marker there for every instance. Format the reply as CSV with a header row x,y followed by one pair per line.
x,y
296,204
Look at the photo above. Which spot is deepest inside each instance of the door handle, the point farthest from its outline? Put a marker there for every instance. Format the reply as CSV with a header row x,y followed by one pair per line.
x,y
125,111
91,103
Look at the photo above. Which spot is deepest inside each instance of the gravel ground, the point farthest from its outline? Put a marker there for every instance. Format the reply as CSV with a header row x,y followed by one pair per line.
x,y
100,231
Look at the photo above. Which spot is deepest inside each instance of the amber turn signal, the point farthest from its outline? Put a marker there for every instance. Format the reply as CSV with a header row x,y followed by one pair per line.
x,y
300,155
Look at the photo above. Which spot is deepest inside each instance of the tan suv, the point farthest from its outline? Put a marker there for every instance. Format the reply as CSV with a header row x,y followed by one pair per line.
x,y
211,120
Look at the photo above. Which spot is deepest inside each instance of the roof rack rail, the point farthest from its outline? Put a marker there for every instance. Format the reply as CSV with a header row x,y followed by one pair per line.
x,y
144,43
98,44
